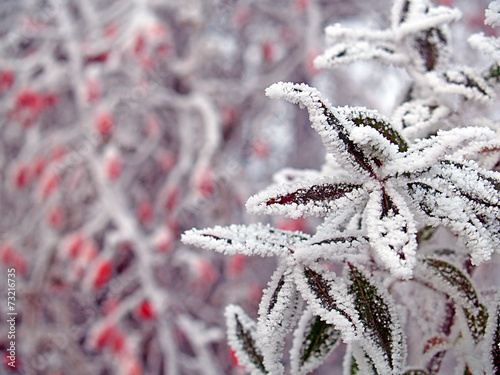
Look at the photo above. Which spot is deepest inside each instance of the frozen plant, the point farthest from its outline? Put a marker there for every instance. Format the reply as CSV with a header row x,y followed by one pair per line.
x,y
124,123
407,220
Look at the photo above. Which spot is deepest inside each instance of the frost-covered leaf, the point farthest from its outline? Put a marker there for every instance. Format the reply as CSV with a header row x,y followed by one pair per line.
x,y
480,189
422,17
383,337
417,118
480,186
392,232
353,368
360,361
425,28
339,221
365,117
343,53
279,311
327,295
425,233
431,47
414,21
314,340
426,152
449,279
465,82
399,12
491,343
317,197
443,206
242,337
434,351
333,128
491,46
410,16
416,372
493,14
336,33
492,74
477,322
253,239
336,246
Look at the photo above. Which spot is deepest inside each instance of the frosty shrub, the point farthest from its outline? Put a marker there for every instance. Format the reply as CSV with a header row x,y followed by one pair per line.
x,y
123,124
411,207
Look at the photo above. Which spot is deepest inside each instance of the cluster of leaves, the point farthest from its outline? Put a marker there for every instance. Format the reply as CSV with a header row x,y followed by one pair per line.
x,y
392,191
418,41
123,123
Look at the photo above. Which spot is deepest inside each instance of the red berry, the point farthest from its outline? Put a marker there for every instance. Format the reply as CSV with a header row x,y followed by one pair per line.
x,y
203,182
103,124
117,342
6,253
37,166
144,311
103,336
260,149
10,257
55,217
144,212
236,264
73,245
293,225
57,153
48,184
139,44
267,51
163,240
171,198
92,91
21,176
206,271
102,273
6,80
30,100
100,57
112,165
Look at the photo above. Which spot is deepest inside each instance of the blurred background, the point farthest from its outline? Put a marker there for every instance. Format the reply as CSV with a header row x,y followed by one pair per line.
x,y
126,122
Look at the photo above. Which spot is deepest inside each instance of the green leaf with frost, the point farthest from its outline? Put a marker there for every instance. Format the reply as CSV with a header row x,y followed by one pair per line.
x,y
384,341
448,278
365,117
314,340
242,338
